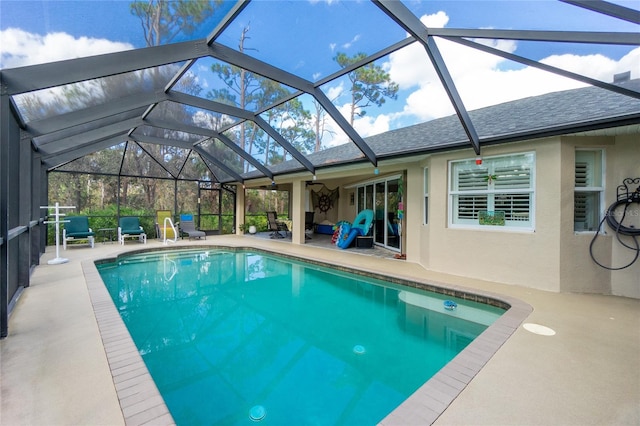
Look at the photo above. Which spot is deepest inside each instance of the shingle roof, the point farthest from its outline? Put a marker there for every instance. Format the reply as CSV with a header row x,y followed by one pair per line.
x,y
562,112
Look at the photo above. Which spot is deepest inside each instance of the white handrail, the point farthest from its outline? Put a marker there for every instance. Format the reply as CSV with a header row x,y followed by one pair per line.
x,y
175,234
174,268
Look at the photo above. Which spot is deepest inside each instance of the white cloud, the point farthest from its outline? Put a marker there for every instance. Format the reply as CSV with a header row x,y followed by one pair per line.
x,y
483,79
350,43
21,48
372,125
597,66
334,92
367,125
437,20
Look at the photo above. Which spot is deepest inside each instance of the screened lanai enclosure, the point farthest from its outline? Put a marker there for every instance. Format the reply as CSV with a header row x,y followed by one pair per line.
x,y
180,105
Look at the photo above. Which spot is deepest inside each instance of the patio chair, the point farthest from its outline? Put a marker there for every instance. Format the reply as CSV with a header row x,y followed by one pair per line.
x,y
275,226
308,224
187,226
77,229
129,227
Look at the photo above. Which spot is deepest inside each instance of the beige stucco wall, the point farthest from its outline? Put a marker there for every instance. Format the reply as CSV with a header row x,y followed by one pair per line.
x,y
578,271
552,257
517,257
626,164
416,237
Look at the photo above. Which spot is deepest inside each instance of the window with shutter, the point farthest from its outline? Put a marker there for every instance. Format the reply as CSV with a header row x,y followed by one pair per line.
x,y
501,187
589,190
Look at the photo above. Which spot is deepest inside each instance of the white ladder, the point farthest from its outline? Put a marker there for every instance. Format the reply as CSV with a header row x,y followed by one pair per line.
x,y
170,268
164,231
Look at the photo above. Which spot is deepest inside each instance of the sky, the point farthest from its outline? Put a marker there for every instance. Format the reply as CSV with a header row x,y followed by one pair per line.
x,y
303,37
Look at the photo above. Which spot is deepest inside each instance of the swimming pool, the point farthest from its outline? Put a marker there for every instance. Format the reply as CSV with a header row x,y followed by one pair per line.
x,y
233,337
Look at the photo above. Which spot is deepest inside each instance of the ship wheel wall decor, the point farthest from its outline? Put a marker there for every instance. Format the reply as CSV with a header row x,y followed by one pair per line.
x,y
324,203
324,199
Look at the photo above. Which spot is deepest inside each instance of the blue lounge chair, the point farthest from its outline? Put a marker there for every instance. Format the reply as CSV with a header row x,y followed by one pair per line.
x,y
77,228
129,227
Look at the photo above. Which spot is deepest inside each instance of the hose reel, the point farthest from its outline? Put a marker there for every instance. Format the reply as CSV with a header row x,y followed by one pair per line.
x,y
627,197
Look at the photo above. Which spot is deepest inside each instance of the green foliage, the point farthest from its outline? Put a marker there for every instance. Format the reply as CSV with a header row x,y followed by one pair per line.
x,y
96,196
491,218
259,201
259,221
370,84
253,92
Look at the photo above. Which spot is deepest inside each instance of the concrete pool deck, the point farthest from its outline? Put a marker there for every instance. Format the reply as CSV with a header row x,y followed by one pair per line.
x,y
54,368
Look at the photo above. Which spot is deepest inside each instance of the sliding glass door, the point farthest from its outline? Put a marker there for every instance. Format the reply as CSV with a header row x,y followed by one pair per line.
x,y
394,197
383,197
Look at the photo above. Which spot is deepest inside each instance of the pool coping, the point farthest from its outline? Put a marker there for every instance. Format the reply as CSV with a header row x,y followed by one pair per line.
x,y
140,399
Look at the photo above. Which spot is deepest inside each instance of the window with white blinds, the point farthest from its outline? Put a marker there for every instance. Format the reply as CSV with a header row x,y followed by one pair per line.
x,y
501,188
589,190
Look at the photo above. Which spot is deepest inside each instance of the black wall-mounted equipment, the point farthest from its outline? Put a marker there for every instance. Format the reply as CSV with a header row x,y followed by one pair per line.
x,y
619,215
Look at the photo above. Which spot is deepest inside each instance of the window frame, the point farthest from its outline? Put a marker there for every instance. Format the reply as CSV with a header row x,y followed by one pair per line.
x,y
491,193
600,190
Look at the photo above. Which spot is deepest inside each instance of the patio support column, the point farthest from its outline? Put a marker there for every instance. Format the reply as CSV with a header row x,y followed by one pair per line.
x,y
35,228
24,190
413,229
239,208
297,212
13,225
5,177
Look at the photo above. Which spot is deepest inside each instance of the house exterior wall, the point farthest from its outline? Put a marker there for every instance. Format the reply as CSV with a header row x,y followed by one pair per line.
x,y
552,257
578,272
517,257
626,164
415,241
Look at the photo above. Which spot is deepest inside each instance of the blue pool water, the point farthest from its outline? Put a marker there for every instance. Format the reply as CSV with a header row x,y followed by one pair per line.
x,y
234,338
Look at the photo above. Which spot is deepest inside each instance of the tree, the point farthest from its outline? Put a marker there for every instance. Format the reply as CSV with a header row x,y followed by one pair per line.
x,y
370,84
253,92
320,125
241,89
163,20
294,123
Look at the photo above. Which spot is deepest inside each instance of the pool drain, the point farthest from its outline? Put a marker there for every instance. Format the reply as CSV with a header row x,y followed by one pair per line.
x,y
358,349
257,413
